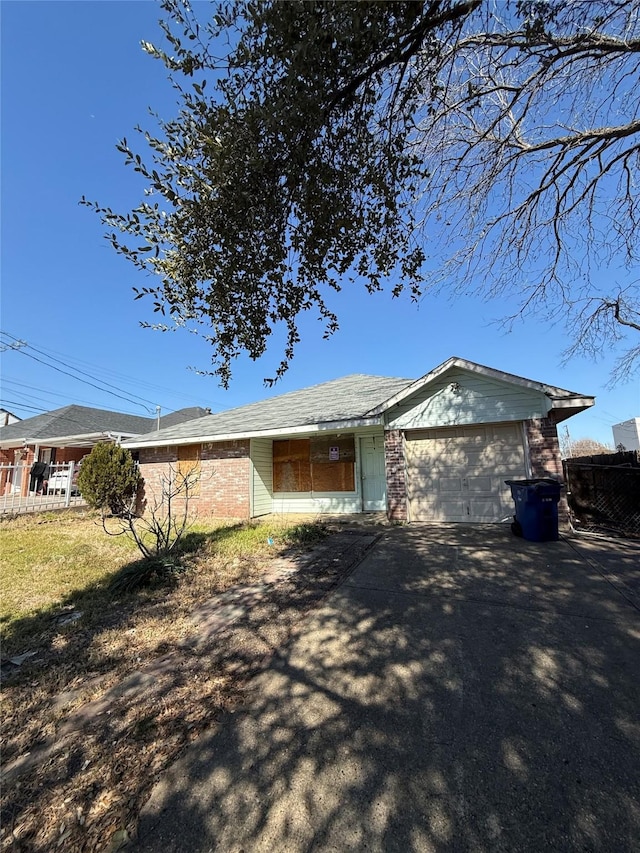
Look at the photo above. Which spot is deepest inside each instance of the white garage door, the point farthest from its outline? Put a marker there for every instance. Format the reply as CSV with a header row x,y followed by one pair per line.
x,y
458,473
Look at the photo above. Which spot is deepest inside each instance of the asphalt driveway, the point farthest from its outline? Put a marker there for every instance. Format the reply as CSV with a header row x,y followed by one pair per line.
x,y
462,691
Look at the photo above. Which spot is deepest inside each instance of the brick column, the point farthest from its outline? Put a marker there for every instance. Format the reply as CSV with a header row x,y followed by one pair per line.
x,y
544,449
544,457
396,481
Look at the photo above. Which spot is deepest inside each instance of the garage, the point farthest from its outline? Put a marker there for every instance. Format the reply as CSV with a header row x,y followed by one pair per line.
x,y
458,473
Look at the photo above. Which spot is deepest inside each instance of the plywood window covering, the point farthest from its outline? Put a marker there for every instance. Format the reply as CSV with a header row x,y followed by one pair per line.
x,y
291,466
305,465
189,463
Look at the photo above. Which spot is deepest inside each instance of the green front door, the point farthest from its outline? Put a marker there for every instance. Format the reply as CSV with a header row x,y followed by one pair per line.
x,y
374,485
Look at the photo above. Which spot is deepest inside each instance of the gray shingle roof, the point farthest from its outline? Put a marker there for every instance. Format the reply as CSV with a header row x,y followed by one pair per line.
x,y
82,420
348,398
74,420
182,415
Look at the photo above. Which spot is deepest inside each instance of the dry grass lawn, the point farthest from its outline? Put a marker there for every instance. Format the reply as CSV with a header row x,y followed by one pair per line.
x,y
57,574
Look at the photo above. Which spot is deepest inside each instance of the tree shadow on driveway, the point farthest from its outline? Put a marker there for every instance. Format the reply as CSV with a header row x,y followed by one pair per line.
x,y
462,691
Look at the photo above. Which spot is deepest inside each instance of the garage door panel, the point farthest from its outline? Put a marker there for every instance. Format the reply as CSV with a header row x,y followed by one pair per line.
x,y
450,484
488,509
458,474
482,485
441,509
451,510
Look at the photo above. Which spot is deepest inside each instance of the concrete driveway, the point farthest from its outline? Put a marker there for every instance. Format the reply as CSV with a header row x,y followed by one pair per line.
x,y
463,691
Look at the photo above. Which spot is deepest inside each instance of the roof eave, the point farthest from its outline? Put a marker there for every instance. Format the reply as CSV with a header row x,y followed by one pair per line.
x,y
567,407
85,439
328,426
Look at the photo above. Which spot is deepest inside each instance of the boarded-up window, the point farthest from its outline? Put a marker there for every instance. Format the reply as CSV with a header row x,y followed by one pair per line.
x,y
291,466
333,463
319,464
189,466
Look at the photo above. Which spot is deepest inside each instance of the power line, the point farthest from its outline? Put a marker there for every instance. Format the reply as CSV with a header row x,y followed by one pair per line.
x,y
85,381
21,405
48,393
25,397
136,380
108,385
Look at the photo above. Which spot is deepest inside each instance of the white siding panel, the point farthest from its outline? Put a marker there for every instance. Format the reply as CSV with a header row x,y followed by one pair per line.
x,y
326,502
262,476
475,400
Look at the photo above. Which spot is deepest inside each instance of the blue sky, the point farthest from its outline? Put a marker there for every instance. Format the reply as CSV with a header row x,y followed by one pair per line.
x,y
74,82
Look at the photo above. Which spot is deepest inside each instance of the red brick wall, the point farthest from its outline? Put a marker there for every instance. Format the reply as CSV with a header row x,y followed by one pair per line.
x,y
24,458
71,454
62,454
544,457
544,449
396,481
223,489
6,458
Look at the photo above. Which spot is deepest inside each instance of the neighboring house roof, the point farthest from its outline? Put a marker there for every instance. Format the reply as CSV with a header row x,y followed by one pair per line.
x,y
82,426
7,417
356,400
340,400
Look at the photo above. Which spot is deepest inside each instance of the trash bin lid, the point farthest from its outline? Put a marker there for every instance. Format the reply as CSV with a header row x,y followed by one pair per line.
x,y
536,483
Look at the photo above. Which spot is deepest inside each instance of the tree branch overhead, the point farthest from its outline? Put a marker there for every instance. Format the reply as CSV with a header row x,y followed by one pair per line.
x,y
419,146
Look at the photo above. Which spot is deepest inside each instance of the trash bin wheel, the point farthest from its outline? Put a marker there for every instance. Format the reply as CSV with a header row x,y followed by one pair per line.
x,y
516,527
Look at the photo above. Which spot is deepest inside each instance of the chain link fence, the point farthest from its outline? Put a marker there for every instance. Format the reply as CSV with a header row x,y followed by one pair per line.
x,y
603,493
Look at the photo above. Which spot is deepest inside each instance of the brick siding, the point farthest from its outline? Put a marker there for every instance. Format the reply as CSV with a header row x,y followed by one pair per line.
x,y
544,449
544,457
71,454
395,474
13,456
223,489
62,454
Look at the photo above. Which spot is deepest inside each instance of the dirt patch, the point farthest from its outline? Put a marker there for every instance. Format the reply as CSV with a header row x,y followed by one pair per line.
x,y
83,752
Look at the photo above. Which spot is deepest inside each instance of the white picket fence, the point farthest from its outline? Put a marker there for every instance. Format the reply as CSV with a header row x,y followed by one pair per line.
x,y
20,493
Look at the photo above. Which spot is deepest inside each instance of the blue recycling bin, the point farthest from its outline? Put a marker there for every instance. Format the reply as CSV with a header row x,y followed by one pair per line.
x,y
536,502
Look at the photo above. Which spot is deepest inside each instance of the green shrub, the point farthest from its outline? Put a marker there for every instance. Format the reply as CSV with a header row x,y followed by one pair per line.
x,y
109,479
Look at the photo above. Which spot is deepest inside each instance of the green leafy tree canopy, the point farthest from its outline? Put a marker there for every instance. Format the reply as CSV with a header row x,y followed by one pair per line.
x,y
469,145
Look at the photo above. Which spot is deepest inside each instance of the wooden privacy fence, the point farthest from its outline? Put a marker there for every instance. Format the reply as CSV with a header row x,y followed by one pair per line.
x,y
603,492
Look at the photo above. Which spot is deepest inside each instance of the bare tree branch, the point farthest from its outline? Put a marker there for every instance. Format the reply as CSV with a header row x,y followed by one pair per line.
x,y
465,146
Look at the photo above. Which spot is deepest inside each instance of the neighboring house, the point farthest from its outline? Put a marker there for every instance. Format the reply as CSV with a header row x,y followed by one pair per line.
x,y
7,418
438,448
68,434
627,434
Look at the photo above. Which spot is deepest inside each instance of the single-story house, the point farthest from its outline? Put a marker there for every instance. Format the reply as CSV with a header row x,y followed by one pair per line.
x,y
67,434
438,448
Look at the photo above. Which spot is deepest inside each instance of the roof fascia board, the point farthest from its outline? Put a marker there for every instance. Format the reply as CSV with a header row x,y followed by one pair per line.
x,y
9,443
307,429
64,440
572,402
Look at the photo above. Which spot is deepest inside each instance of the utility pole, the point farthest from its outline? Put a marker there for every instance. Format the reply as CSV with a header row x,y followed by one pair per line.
x,y
565,443
158,410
